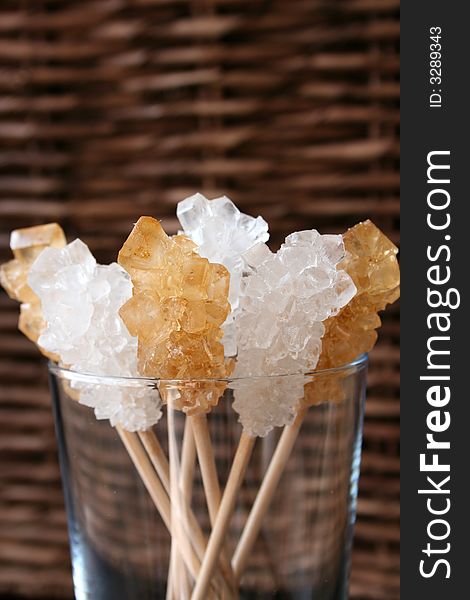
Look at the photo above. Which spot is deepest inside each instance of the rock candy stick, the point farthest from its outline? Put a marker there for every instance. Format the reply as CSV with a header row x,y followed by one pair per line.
x,y
223,235
179,303
371,262
69,277
286,297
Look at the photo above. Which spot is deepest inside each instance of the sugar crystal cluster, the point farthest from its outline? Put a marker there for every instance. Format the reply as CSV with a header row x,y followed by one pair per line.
x,y
222,235
371,262
286,298
179,303
80,305
27,244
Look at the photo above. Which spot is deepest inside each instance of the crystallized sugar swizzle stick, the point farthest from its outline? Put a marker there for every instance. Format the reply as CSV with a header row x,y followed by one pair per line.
x,y
179,303
371,262
285,297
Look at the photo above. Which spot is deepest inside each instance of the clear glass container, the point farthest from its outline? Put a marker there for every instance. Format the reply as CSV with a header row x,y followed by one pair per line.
x,y
288,520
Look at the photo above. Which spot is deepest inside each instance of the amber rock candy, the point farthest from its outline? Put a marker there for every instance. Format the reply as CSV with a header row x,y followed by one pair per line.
x,y
372,264
179,304
26,245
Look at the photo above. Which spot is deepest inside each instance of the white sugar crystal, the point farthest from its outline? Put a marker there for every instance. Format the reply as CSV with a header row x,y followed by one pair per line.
x,y
267,402
133,408
285,299
80,303
256,255
223,235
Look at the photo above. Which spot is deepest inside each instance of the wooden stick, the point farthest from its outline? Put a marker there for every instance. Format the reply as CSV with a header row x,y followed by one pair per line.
x,y
205,453
265,495
157,493
186,478
171,594
210,480
157,456
222,522
194,531
188,462
178,583
159,461
147,474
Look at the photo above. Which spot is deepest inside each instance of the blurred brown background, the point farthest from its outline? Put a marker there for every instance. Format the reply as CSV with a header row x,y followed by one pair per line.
x,y
110,109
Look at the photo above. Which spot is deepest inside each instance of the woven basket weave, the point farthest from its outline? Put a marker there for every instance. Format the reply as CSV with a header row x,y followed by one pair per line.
x,y
110,109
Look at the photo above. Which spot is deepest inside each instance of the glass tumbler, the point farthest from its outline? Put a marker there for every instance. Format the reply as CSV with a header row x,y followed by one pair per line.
x,y
143,506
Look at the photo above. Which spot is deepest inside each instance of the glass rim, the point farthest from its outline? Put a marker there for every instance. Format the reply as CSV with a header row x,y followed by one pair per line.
x,y
131,381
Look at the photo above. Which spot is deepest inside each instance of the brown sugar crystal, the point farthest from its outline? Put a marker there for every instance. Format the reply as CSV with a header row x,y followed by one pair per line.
x,y
372,264
26,245
179,304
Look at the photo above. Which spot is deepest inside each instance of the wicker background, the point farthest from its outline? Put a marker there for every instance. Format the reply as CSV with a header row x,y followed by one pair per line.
x,y
110,109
